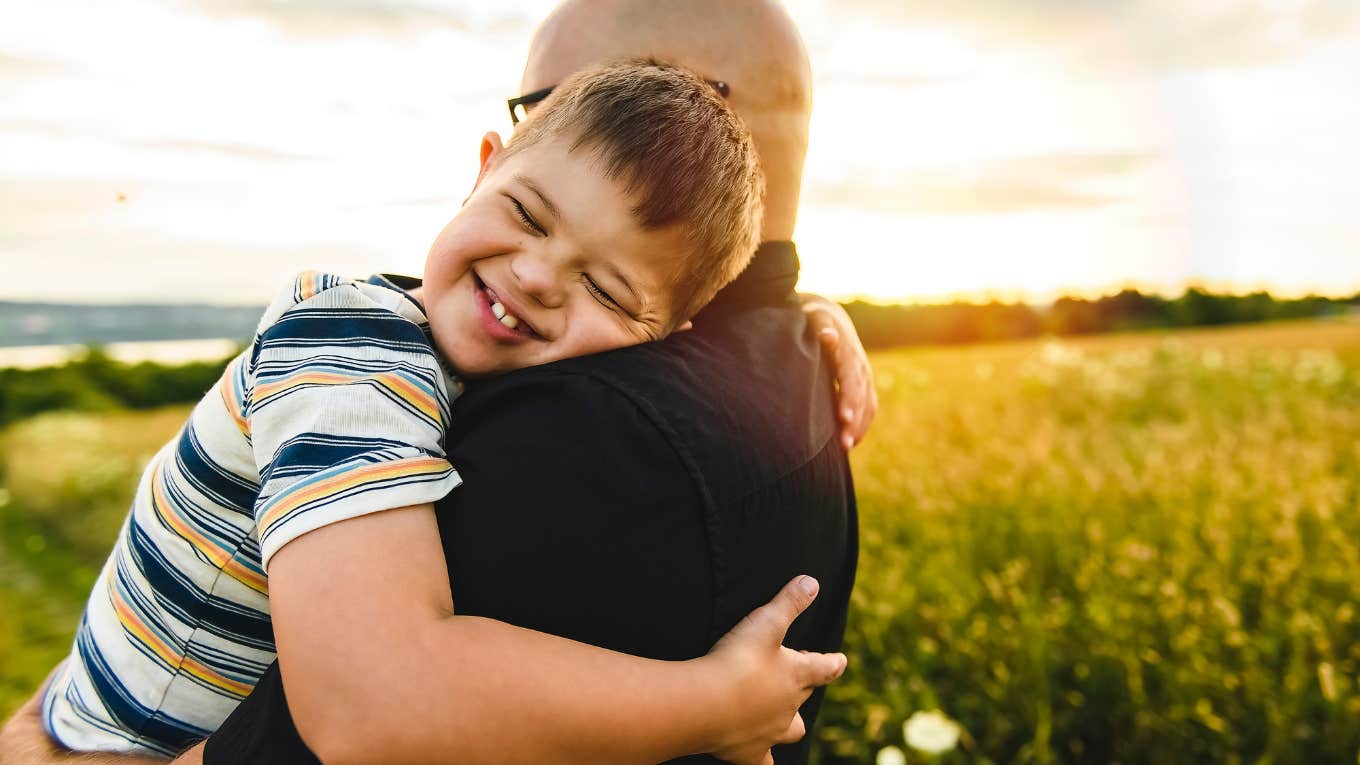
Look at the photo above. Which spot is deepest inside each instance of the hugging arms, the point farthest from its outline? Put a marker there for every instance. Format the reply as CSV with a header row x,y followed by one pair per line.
x,y
653,486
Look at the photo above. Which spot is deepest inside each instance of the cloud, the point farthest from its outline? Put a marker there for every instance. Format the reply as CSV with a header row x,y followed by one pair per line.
x,y
885,79
1028,184
1164,34
49,129
81,240
364,18
14,67
229,150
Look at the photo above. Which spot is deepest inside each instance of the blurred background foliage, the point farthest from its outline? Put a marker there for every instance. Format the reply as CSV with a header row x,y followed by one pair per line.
x,y
1130,549
892,326
1134,548
94,382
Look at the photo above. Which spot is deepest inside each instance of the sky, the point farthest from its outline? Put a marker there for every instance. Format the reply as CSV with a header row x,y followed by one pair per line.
x,y
204,150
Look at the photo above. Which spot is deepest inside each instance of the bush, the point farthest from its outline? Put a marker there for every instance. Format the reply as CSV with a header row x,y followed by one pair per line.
x,y
95,382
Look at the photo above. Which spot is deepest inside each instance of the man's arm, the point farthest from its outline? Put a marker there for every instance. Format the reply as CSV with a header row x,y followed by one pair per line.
x,y
857,399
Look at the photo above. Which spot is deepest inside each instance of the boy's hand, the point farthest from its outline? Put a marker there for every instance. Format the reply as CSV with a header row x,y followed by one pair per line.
x,y
857,401
769,682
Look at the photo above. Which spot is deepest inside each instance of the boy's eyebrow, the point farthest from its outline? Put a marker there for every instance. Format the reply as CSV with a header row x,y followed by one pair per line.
x,y
542,197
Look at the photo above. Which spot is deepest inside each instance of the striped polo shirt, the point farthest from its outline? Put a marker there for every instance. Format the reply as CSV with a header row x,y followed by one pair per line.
x,y
337,409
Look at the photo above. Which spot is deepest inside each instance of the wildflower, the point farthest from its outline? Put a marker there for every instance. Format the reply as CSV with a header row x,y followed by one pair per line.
x,y
931,732
891,755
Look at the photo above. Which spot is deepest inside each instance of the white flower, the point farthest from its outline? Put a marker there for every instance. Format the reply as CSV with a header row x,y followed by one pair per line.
x,y
891,755
931,732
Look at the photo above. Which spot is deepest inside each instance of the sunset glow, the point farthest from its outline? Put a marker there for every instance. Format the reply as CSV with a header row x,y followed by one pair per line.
x,y
204,150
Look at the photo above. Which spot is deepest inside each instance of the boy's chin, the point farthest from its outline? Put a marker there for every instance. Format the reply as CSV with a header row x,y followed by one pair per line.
x,y
476,362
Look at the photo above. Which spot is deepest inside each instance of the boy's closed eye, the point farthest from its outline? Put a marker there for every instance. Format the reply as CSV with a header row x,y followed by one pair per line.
x,y
595,290
603,297
528,220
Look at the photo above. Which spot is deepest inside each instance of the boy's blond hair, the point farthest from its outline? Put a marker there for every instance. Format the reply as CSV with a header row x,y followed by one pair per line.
x,y
682,154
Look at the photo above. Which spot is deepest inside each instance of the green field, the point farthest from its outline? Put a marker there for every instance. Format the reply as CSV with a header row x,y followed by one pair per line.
x,y
1136,549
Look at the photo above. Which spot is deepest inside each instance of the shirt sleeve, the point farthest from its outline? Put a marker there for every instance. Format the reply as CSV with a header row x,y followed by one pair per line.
x,y
347,408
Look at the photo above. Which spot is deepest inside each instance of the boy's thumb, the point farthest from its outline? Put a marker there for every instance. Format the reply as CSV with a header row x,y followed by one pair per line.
x,y
791,601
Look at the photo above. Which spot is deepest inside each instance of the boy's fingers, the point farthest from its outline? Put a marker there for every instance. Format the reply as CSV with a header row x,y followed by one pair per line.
x,y
791,601
795,732
822,668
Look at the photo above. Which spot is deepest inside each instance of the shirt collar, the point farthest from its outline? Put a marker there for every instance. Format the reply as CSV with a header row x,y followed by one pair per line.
x,y
400,283
770,278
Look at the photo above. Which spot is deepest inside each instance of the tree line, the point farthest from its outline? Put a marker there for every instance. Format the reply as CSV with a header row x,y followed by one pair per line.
x,y
889,326
94,381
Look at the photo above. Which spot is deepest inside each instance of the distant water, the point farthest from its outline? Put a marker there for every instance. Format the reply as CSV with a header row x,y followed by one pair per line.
x,y
75,324
161,351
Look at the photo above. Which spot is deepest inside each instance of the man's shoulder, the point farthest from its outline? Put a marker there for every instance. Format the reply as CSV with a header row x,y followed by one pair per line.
x,y
743,399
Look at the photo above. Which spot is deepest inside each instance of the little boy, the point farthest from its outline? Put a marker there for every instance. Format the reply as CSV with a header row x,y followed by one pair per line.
x,y
611,218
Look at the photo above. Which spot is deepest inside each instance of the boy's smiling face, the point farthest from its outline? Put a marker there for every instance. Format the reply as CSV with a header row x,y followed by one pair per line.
x,y
545,262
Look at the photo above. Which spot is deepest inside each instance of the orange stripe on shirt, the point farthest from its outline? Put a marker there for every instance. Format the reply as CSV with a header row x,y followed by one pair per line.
x,y
394,382
142,633
233,397
347,480
223,557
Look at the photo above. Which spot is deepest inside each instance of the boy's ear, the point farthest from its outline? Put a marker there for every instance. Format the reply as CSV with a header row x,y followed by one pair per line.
x,y
491,148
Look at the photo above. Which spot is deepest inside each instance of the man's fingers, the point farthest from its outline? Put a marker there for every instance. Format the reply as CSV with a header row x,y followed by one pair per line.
x,y
791,601
855,397
857,409
795,732
820,669
859,427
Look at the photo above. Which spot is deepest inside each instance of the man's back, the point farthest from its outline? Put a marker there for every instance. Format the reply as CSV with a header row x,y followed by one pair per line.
x,y
643,500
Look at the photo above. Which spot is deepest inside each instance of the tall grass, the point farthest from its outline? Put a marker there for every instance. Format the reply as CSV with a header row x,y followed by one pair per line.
x,y
1136,550
1132,549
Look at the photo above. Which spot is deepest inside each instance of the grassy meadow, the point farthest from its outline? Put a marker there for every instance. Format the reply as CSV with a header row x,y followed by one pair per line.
x,y
1137,548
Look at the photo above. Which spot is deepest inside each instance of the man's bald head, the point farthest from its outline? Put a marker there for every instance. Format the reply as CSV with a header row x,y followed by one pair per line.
x,y
752,45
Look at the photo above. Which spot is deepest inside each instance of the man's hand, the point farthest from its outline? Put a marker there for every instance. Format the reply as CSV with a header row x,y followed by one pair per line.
x,y
24,742
771,681
857,400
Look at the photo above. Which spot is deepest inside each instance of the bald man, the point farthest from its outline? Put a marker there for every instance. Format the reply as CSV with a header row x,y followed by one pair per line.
x,y
671,488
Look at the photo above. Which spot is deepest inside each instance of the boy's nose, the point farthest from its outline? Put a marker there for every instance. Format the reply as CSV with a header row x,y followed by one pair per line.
x,y
540,278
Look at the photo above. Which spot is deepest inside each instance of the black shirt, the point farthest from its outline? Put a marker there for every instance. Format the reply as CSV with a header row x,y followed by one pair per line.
x,y
643,500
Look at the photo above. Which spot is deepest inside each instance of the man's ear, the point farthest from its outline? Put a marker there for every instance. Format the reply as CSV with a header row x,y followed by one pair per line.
x,y
687,326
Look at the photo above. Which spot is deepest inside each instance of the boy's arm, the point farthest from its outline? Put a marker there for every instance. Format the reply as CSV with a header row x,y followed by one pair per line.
x,y
24,742
377,669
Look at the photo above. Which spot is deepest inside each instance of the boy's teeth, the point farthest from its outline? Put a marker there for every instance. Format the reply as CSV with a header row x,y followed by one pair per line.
x,y
503,316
